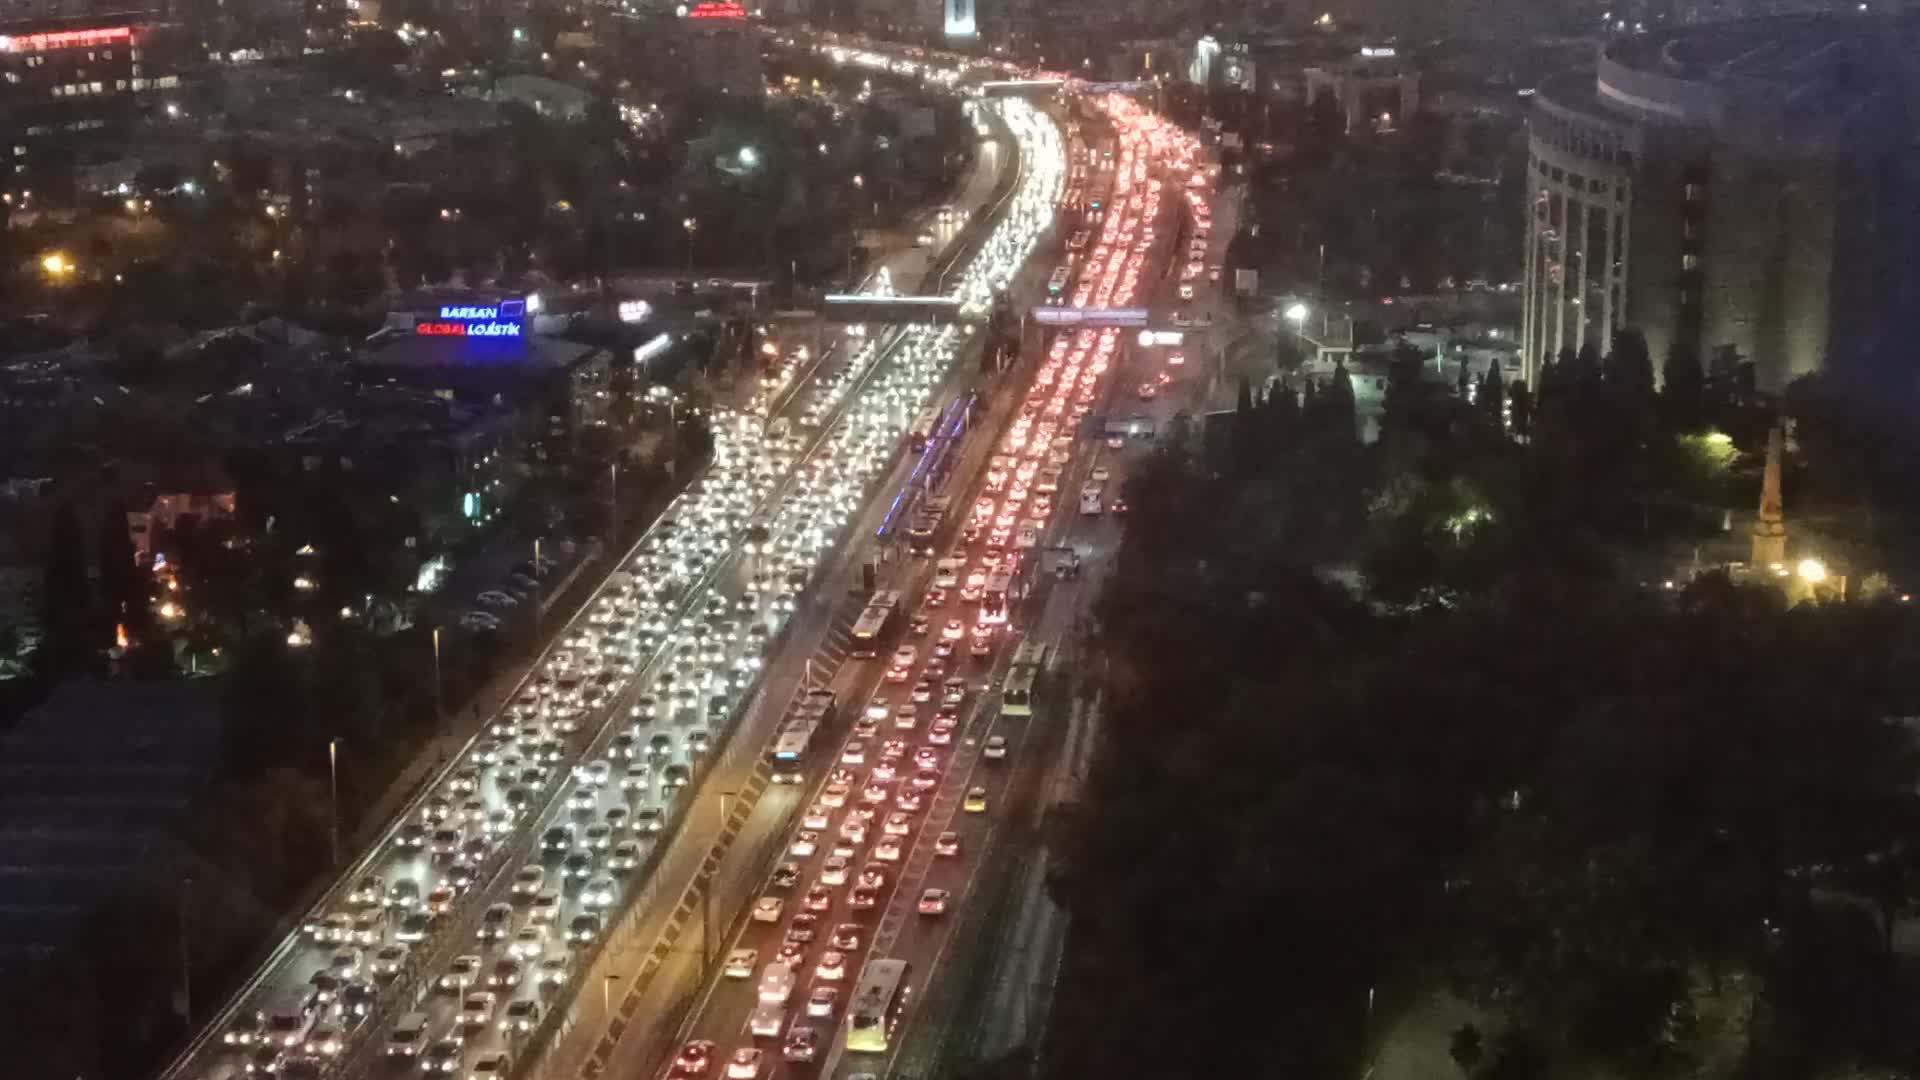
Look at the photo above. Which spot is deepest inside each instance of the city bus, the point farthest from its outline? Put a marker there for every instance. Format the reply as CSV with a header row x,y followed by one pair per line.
x,y
874,1010
993,603
790,749
1057,284
872,624
1016,694
1029,654
923,429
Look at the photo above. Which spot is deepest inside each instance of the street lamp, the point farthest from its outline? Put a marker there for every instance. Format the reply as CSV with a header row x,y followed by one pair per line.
x,y
333,797
1296,314
749,157
691,225
439,702
706,892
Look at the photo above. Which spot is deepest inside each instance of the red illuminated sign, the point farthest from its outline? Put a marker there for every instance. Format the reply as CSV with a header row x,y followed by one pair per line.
x,y
446,328
65,39
717,9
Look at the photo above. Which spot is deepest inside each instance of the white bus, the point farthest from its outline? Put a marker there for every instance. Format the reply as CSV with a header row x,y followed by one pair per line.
x,y
790,748
993,603
1057,285
1016,694
874,1010
872,624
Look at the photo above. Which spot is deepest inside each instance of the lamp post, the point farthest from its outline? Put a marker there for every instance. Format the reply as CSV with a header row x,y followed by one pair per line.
x,y
536,586
706,891
1297,315
439,695
691,225
333,797
613,500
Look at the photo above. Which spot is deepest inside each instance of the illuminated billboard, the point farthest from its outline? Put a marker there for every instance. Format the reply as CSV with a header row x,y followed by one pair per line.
x,y
502,320
64,39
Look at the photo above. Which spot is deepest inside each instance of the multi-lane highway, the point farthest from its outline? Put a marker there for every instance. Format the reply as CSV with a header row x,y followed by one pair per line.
x,y
902,796
446,942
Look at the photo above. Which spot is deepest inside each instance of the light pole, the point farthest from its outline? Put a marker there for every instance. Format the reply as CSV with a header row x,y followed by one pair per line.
x,y
333,797
186,952
706,892
439,695
673,436
1297,315
691,225
613,500
536,586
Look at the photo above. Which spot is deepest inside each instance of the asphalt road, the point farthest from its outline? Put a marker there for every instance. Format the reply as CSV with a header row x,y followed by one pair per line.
x,y
1014,786
652,969
290,969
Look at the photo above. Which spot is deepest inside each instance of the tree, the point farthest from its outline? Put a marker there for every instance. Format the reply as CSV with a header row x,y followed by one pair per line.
x,y
1493,396
67,597
1682,386
1629,373
1244,434
1338,412
1522,410
123,585
1466,1048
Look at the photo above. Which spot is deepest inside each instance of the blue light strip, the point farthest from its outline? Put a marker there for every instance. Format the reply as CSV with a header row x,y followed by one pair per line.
x,y
936,449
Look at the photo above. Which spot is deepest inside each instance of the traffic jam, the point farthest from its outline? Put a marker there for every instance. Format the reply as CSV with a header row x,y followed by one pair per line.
x,y
811,931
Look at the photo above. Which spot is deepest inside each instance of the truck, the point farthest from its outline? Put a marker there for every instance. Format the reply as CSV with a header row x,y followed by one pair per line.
x,y
1091,498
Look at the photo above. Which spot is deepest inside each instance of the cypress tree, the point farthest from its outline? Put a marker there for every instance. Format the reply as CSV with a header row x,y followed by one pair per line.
x,y
1342,415
1493,396
123,587
1630,370
1522,409
67,598
1682,386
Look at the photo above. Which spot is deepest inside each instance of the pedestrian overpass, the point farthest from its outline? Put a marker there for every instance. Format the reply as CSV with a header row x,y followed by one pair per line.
x,y
893,310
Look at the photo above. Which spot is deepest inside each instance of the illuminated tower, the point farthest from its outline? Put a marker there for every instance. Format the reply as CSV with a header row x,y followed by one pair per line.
x,y
1770,529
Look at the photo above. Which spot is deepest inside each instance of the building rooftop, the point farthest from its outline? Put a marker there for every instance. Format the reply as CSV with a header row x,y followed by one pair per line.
x,y
1793,76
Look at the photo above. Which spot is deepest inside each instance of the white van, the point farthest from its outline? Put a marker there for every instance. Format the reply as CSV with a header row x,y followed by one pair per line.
x,y
768,1020
409,1036
946,572
289,1020
776,984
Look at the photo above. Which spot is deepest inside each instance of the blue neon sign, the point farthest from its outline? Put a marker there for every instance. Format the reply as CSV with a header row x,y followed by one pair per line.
x,y
502,320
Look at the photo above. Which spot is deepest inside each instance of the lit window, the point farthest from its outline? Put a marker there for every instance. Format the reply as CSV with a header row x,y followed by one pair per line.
x,y
1689,262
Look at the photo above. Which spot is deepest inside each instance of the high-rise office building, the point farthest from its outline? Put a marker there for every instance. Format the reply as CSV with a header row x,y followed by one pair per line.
x,y
1750,186
67,83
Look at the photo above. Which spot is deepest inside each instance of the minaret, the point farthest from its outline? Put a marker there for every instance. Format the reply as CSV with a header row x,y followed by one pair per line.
x,y
1770,530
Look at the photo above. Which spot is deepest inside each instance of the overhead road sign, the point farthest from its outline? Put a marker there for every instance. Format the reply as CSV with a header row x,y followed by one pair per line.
x,y
1020,87
1085,316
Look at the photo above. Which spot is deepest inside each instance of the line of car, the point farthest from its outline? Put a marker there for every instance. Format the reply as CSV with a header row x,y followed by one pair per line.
x,y
879,779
